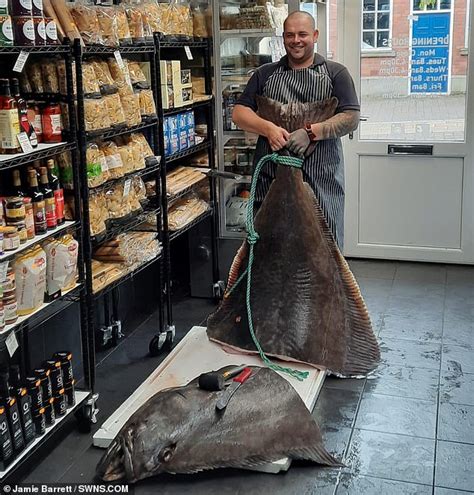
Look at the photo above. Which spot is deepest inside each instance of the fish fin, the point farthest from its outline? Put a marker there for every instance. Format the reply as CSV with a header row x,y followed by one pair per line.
x,y
317,454
363,349
236,267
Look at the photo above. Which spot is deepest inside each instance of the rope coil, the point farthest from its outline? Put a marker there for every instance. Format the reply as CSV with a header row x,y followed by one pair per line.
x,y
252,239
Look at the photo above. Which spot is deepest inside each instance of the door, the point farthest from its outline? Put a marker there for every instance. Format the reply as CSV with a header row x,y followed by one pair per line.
x,y
409,171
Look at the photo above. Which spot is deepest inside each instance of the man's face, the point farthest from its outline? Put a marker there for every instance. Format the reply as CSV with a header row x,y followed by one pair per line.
x,y
299,39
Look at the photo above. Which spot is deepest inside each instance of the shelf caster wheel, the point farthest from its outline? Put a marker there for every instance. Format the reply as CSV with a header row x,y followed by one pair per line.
x,y
86,416
157,344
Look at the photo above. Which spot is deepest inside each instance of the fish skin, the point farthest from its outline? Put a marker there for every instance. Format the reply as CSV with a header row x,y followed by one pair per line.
x,y
306,304
179,430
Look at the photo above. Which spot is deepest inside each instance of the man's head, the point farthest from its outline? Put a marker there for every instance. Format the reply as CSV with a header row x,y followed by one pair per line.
x,y
299,36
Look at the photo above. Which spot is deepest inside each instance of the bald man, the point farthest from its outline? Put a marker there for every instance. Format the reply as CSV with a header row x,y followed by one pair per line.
x,y
306,104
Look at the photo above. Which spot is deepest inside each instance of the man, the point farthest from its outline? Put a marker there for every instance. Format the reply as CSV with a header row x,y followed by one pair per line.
x,y
293,90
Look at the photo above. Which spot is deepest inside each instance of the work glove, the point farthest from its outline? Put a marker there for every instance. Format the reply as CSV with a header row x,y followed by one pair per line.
x,y
298,143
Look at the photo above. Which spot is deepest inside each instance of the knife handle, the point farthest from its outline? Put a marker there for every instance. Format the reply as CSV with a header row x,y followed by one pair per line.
x,y
243,376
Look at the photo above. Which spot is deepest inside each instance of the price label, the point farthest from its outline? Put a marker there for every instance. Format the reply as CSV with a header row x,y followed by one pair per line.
x,y
118,57
20,61
24,141
11,343
158,159
126,187
188,52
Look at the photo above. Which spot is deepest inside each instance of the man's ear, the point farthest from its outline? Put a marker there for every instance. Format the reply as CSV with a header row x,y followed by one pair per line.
x,y
316,35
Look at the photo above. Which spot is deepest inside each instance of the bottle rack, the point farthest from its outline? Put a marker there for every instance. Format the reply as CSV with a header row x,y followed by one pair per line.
x,y
21,329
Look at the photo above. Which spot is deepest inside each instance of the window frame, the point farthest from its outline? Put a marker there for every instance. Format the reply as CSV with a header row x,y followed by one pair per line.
x,y
376,49
437,9
468,19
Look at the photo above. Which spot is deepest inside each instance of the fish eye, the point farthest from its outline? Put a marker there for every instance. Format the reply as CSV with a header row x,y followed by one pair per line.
x,y
167,453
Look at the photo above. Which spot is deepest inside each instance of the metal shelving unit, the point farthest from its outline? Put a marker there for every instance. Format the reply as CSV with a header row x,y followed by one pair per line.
x,y
28,323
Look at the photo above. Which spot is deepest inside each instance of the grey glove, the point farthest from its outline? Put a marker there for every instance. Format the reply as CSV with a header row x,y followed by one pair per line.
x,y
298,143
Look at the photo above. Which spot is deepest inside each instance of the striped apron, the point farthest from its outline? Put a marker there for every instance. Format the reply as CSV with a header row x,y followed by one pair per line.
x,y
323,170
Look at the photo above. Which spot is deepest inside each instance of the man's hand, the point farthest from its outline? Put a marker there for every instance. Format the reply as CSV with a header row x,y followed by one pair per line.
x,y
298,142
277,136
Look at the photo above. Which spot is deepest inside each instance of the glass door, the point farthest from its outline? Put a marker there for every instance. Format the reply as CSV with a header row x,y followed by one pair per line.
x,y
409,165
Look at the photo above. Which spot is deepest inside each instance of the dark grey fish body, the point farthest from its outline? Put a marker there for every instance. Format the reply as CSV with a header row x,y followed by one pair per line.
x,y
179,430
306,304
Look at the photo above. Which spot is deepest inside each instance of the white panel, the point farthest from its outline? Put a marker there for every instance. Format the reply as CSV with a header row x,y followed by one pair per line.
x,y
410,201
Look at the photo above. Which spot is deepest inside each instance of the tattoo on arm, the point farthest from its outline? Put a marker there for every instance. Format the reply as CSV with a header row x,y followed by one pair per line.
x,y
339,125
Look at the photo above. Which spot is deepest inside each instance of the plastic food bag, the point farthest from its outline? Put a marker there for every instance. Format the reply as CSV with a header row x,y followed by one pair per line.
x,y
98,213
103,76
65,170
135,23
96,118
123,29
30,277
108,21
90,82
137,76
115,109
147,103
87,22
97,171
117,197
50,76
126,153
121,76
131,108
35,76
139,138
137,151
113,159
61,264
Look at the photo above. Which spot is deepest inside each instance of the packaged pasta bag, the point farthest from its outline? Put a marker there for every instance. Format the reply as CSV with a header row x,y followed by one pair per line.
x,y
126,153
98,213
121,76
50,76
108,22
139,189
139,140
85,17
137,75
30,277
131,108
117,198
97,170
136,149
90,82
147,104
135,22
114,108
123,29
114,160
95,115
35,77
103,76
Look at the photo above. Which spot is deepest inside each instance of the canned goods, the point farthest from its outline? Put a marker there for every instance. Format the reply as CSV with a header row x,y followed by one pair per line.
x,y
33,386
39,420
65,358
70,394
43,375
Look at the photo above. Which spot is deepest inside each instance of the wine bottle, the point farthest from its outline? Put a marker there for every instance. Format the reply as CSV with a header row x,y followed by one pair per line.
x,y
50,202
39,207
58,191
9,120
25,124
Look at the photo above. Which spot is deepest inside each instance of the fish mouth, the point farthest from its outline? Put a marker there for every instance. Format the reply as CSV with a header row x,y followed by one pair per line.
x,y
112,465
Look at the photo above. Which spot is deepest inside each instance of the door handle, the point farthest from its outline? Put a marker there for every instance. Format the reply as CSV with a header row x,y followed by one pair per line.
x,y
410,149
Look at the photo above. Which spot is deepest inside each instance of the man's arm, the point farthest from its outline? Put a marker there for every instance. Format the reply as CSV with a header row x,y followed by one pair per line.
x,y
245,118
337,126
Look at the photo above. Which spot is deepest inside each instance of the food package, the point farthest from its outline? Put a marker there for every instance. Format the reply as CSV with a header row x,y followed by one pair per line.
x,y
62,79
30,277
131,108
50,12
95,116
202,19
123,29
137,76
115,109
135,22
150,186
97,170
152,19
139,138
50,76
87,22
135,205
25,83
108,21
180,21
147,103
121,76
114,160
136,149
103,76
36,77
200,160
184,210
69,208
64,115
65,170
181,178
66,23
61,264
117,197
139,189
98,212
127,155
90,82
103,274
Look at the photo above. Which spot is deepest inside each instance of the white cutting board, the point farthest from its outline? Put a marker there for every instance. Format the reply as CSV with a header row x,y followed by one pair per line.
x,y
194,355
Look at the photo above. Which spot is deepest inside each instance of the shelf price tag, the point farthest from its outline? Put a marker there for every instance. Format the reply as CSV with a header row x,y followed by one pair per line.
x,y
126,187
20,61
11,343
118,57
24,141
188,52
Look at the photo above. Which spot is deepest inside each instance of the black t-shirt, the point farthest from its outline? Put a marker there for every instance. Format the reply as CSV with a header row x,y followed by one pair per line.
x,y
343,85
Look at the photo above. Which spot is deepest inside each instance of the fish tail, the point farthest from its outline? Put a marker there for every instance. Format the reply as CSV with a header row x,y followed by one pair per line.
x,y
317,454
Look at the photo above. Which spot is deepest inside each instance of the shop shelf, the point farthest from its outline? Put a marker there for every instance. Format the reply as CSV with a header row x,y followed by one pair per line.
x,y
110,50
43,151
190,151
114,284
62,49
137,173
194,43
175,234
134,222
39,238
81,396
186,190
23,319
185,108
120,131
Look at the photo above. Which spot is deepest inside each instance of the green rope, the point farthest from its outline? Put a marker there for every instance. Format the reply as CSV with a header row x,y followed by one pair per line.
x,y
252,239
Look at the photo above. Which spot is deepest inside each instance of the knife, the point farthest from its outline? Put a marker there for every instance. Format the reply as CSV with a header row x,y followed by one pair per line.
x,y
232,388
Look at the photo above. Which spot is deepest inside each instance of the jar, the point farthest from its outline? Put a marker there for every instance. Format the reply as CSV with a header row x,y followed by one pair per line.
x,y
21,7
11,238
29,218
21,228
10,307
9,284
15,209
52,124
40,31
24,31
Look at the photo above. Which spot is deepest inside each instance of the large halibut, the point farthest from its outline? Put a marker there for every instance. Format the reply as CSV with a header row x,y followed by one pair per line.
x,y
306,303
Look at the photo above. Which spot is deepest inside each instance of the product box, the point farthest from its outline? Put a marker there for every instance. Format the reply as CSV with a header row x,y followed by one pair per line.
x,y
191,129
170,71
183,131
186,78
166,135
173,134
167,97
182,97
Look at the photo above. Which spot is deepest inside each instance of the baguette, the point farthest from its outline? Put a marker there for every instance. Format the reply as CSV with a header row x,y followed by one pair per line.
x,y
66,20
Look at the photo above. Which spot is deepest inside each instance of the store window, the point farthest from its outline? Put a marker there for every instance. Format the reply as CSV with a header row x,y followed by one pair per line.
x,y
376,24
420,5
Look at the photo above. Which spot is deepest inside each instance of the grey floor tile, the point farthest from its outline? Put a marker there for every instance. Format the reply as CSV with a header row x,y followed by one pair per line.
x,y
458,358
336,408
423,329
367,485
410,353
415,383
457,275
457,387
416,307
373,269
448,491
415,288
394,457
398,415
456,423
458,330
336,440
354,384
375,287
454,466
421,272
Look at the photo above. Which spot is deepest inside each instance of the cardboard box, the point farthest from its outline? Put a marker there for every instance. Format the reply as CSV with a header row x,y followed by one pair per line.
x,y
186,78
167,97
170,71
182,97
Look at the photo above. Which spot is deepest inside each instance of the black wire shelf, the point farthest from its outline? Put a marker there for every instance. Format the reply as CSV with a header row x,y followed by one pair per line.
x,y
195,43
183,192
120,228
123,49
42,152
120,131
136,173
190,151
35,49
186,108
174,235
127,276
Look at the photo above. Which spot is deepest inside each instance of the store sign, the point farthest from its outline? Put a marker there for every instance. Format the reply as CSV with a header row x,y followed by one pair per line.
x,y
430,53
